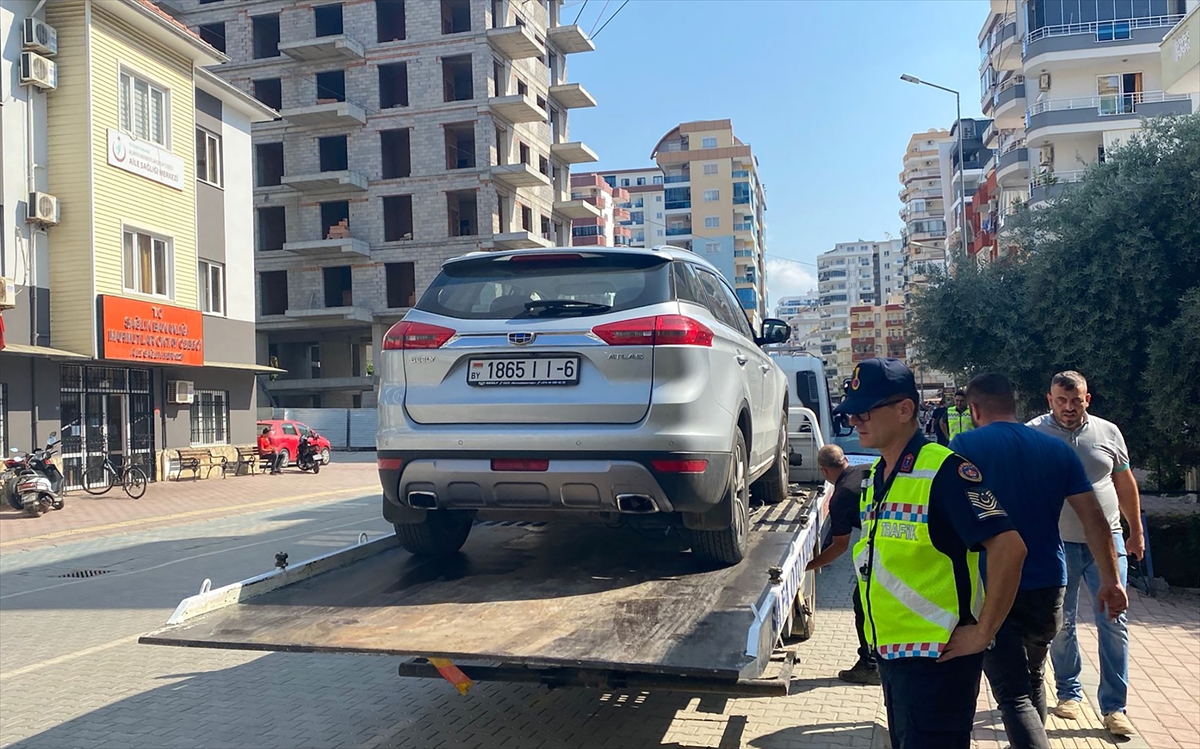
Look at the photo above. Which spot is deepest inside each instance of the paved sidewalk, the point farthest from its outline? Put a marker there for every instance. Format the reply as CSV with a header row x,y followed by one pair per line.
x,y
172,502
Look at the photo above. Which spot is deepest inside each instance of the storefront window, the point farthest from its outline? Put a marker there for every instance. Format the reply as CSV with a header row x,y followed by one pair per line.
x,y
210,418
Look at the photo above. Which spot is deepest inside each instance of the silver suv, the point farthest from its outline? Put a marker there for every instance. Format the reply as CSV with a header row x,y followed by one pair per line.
x,y
612,383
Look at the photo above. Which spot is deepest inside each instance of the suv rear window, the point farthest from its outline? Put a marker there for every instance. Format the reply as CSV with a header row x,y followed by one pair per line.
x,y
500,288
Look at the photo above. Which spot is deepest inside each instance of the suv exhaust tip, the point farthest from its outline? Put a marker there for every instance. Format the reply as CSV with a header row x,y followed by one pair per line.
x,y
636,504
423,500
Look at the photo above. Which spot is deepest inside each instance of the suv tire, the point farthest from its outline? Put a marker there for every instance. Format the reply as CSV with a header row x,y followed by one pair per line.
x,y
772,487
442,532
728,546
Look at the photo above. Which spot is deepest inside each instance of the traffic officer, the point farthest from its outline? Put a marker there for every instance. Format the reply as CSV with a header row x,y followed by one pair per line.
x,y
958,419
926,516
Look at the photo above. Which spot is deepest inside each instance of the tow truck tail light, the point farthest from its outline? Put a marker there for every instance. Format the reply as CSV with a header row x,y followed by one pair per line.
x,y
679,466
416,335
663,330
520,464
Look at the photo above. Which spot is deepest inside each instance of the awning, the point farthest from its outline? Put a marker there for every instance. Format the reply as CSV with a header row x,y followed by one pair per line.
x,y
258,368
52,353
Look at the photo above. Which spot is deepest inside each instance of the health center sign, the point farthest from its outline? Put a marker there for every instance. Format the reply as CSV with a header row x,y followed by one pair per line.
x,y
144,159
149,333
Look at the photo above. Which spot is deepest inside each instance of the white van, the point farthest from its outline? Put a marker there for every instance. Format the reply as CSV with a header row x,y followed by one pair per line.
x,y
806,381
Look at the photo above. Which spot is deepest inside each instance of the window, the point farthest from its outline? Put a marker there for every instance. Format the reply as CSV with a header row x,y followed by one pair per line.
x,y
637,217
393,85
397,219
272,228
211,278
274,292
658,180
333,153
214,34
460,145
268,164
625,182
456,16
210,418
710,168
685,284
338,289
712,222
147,264
270,92
712,248
389,20
335,219
401,285
708,143
658,199
457,80
526,218
327,20
265,30
144,110
461,213
331,86
641,181
208,157
394,150
711,196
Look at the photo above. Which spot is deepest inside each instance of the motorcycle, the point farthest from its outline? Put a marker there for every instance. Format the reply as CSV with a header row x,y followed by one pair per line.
x,y
40,484
8,477
307,456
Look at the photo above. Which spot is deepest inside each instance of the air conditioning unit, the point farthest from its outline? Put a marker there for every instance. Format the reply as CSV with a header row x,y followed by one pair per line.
x,y
39,37
38,71
1044,82
181,392
42,209
8,293
1046,156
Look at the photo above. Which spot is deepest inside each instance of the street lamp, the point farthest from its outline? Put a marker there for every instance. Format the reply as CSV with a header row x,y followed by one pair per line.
x,y
962,179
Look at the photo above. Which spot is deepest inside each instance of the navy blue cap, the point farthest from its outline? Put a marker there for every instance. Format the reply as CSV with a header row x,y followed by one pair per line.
x,y
875,381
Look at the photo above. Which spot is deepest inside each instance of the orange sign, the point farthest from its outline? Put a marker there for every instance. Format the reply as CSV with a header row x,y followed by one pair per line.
x,y
149,333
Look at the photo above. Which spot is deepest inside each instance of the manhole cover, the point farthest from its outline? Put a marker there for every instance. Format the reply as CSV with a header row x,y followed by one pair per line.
x,y
85,573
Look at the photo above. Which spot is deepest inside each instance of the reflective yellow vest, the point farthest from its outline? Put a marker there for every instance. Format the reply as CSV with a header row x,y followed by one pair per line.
x,y
909,593
958,422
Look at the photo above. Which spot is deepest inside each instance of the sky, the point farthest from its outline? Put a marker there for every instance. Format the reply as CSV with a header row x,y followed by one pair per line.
x,y
813,86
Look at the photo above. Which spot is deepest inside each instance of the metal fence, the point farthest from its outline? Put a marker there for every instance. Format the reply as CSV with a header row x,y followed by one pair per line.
x,y
345,428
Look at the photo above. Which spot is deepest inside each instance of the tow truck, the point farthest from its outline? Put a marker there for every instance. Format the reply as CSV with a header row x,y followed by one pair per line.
x,y
615,607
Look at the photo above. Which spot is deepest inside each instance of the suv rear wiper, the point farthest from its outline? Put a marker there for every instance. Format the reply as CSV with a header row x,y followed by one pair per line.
x,y
553,306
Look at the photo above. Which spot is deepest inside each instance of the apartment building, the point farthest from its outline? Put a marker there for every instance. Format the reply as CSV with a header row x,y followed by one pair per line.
x,y
1066,80
853,274
642,206
126,194
609,228
923,212
963,169
876,330
410,132
1180,57
790,306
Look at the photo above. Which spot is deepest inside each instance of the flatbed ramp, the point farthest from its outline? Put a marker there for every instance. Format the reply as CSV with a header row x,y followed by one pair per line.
x,y
589,602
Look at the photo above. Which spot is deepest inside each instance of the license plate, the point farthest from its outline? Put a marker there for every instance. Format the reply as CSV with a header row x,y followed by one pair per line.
x,y
559,370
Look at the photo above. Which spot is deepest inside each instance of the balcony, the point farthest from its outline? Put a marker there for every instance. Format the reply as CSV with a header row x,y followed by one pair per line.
x,y
925,173
1049,184
574,152
741,174
744,226
1002,53
322,182
677,179
519,175
744,280
514,42
319,317
743,253
520,240
1009,104
517,108
330,249
572,96
1100,110
331,114
1012,168
677,205
679,231
1097,35
576,209
570,39
338,48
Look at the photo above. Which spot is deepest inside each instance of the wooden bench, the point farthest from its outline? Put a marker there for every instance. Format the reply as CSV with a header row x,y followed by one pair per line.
x,y
195,459
248,458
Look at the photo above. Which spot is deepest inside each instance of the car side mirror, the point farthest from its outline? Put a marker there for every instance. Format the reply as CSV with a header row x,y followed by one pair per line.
x,y
774,330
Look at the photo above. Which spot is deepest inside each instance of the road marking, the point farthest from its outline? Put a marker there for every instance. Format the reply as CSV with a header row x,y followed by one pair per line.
x,y
234,509
68,657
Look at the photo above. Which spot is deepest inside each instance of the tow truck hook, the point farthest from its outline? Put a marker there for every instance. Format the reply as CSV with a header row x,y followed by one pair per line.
x,y
776,575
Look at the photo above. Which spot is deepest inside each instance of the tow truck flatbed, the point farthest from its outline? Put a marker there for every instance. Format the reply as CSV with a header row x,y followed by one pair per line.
x,y
580,605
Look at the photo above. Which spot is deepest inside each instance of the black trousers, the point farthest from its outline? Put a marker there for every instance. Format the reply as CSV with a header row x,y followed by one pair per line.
x,y
1016,664
865,654
929,704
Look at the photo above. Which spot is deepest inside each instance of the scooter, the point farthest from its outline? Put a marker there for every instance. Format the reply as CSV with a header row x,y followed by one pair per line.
x,y
40,484
307,458
8,477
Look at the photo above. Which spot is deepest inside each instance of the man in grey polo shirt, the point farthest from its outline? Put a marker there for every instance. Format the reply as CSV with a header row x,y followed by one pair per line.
x,y
1101,447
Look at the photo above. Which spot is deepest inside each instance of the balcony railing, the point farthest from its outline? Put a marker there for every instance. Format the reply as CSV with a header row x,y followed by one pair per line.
x,y
743,253
676,179
743,279
744,226
678,205
1111,104
681,231
1104,30
742,173
741,199
1051,178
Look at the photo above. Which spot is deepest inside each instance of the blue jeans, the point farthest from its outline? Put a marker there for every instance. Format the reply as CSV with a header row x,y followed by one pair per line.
x,y
1113,634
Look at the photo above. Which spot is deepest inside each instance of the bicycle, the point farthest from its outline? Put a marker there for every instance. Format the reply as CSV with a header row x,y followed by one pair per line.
x,y
100,478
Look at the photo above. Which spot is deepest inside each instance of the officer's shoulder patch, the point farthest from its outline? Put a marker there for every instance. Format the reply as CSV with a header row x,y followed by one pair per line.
x,y
969,472
906,464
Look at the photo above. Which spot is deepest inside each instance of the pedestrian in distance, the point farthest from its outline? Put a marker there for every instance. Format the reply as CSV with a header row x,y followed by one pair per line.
x,y
1101,447
1032,475
958,418
938,418
848,482
926,517
267,451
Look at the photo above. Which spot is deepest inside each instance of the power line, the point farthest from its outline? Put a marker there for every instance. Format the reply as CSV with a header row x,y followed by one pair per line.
x,y
580,14
600,15
610,18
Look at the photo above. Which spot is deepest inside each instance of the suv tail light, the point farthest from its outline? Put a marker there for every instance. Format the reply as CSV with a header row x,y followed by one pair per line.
x,y
666,465
663,330
416,335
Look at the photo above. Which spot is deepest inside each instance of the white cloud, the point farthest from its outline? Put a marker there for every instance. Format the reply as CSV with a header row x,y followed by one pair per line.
x,y
787,278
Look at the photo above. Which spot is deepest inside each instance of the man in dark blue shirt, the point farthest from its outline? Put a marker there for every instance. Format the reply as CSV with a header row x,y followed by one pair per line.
x,y
1031,475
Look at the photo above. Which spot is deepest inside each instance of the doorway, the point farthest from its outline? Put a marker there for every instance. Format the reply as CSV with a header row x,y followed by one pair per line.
x,y
107,412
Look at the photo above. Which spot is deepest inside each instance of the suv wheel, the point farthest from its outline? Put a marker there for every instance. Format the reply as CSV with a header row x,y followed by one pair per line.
x,y
442,532
772,487
728,545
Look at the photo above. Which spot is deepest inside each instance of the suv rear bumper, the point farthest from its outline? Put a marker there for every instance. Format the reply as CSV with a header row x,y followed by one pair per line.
x,y
574,482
